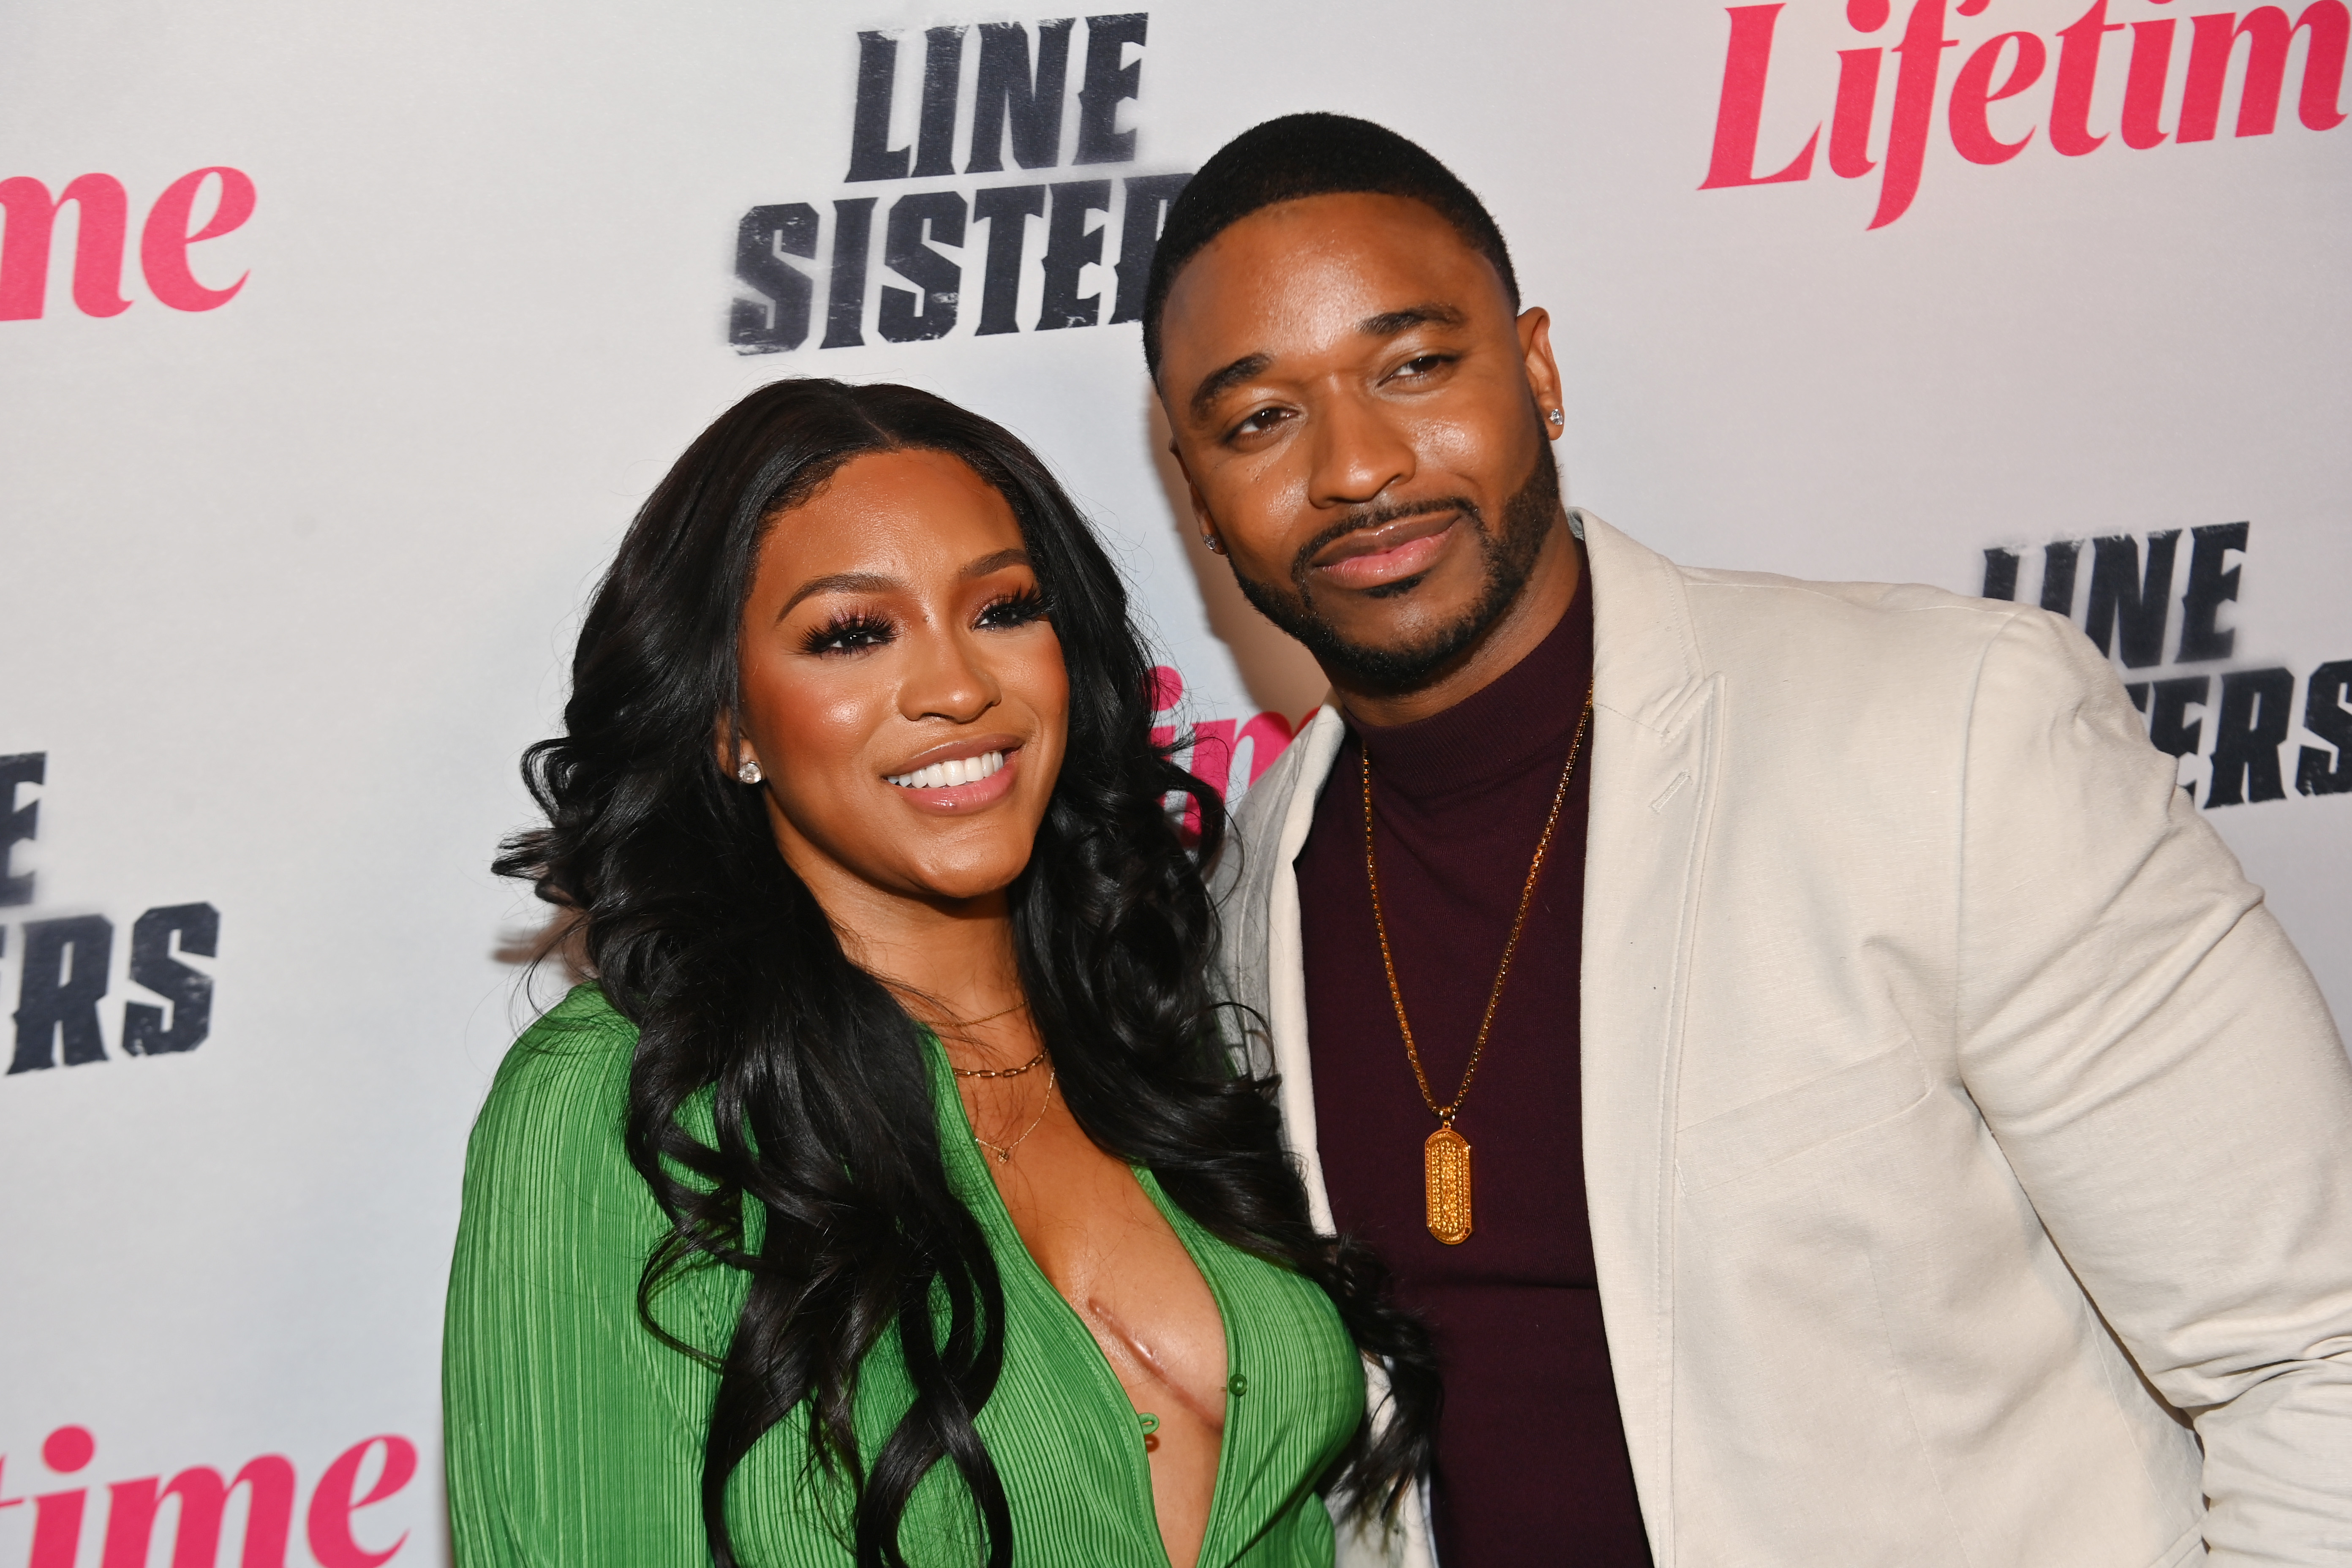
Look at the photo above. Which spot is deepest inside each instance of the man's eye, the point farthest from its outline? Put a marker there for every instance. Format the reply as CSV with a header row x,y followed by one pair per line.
x,y
1259,423
847,634
1423,364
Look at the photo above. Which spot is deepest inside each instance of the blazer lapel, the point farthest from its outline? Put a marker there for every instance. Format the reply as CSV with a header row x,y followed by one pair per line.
x,y
1280,991
1317,746
1655,716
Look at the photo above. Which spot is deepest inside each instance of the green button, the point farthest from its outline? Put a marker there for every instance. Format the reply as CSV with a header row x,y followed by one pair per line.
x,y
1237,1385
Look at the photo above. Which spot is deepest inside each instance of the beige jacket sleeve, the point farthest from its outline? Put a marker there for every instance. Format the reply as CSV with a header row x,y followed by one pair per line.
x,y
2163,1076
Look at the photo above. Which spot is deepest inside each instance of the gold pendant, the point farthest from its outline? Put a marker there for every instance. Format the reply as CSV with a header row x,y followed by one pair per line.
x,y
1445,1175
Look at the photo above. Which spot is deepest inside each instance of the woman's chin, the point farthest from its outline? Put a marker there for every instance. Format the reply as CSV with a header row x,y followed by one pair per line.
x,y
964,872
962,887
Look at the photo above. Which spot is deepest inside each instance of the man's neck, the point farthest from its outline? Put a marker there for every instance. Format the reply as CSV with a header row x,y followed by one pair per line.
x,y
1518,632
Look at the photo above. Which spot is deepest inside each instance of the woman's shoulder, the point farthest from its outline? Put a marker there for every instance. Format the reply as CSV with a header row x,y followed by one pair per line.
x,y
578,1039
562,1095
585,1016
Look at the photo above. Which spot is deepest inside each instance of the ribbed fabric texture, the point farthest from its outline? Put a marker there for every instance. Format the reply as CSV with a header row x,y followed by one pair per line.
x,y
575,1436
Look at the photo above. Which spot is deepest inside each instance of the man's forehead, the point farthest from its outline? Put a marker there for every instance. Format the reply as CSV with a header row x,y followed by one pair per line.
x,y
1370,331
1323,272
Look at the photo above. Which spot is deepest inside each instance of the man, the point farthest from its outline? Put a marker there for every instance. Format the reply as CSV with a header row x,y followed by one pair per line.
x,y
1895,1132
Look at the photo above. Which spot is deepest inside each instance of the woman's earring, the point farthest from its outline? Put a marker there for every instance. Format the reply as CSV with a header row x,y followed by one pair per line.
x,y
748,770
1557,417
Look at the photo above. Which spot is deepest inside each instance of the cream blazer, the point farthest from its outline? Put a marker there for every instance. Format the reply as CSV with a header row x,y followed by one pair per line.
x,y
1968,1153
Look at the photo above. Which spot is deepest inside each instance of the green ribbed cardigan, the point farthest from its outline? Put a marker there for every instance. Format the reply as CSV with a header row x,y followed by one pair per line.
x,y
575,1436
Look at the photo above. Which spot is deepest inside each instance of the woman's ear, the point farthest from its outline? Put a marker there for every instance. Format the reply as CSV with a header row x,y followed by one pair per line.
x,y
734,752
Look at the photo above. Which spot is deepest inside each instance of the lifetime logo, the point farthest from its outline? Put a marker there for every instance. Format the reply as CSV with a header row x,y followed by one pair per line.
x,y
2020,60
102,214
201,1496
1213,747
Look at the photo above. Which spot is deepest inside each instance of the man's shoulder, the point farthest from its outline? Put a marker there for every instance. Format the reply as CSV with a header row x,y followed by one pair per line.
x,y
1661,624
1765,608
1257,821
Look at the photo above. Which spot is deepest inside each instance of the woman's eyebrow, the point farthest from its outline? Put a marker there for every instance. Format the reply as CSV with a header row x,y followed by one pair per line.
x,y
1016,556
840,583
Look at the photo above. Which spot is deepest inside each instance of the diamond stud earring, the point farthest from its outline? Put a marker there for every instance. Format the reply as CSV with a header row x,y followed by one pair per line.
x,y
748,771
1557,417
1210,541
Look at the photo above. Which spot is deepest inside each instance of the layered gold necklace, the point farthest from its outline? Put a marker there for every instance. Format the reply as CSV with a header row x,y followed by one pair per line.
x,y
1002,1152
1445,1157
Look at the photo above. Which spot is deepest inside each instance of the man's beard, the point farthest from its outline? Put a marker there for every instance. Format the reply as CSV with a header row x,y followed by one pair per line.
x,y
1509,554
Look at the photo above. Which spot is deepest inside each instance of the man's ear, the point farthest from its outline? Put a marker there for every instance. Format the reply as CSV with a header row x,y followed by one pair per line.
x,y
1534,352
1201,517
1192,487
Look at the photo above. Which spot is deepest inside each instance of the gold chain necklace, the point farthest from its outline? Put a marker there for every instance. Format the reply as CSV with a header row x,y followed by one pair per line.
x,y
1003,1151
1445,1158
998,1072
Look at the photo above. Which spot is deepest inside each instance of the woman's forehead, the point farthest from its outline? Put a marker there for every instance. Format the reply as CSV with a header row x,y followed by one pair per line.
x,y
925,512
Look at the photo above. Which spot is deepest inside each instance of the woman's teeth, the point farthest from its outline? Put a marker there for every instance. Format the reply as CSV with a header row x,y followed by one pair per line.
x,y
943,775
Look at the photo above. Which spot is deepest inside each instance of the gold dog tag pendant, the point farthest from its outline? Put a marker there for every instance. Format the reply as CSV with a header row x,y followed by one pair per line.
x,y
1445,1172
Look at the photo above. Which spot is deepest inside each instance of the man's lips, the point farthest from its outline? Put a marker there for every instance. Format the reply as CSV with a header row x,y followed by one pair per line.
x,y
1373,557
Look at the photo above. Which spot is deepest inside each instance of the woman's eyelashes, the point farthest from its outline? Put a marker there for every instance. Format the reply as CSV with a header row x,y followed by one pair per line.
x,y
855,631
850,631
1017,609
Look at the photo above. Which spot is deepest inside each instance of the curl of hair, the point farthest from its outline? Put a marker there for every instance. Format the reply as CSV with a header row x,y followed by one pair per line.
x,y
824,1133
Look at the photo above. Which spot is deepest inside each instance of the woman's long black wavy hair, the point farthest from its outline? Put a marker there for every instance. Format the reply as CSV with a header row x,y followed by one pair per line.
x,y
825,1182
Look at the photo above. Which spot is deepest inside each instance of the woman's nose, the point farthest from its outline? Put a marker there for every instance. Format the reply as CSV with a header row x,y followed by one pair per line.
x,y
949,680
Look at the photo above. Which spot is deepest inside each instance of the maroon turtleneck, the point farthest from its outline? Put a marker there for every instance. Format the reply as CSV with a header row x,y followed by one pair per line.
x,y
1531,1461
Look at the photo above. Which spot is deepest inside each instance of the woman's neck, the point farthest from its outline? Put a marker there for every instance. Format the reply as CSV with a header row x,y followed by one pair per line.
x,y
948,960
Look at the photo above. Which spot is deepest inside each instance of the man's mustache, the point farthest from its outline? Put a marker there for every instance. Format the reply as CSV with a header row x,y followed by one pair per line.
x,y
1376,516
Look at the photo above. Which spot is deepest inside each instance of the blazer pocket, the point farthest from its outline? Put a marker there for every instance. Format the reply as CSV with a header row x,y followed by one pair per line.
x,y
1764,1132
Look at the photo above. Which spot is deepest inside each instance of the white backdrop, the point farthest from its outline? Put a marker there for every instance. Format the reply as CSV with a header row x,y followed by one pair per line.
x,y
290,579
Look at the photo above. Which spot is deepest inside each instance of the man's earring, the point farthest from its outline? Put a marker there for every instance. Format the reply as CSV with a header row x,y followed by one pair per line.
x,y
1210,540
748,770
1557,417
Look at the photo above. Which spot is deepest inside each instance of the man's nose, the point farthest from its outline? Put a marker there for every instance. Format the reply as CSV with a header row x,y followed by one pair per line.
x,y
1357,450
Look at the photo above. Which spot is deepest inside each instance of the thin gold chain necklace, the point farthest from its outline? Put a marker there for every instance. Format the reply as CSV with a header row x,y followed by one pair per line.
x,y
1003,1151
1445,1157
998,1072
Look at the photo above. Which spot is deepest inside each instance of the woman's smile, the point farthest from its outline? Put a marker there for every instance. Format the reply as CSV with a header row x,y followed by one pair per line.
x,y
961,777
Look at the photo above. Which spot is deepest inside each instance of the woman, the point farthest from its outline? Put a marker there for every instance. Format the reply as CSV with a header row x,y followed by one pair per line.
x,y
888,1198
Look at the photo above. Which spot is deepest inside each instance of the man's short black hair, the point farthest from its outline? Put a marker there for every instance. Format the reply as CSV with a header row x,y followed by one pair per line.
x,y
1310,155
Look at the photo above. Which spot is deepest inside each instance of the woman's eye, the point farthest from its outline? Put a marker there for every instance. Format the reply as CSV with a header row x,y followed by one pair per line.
x,y
1016,610
849,634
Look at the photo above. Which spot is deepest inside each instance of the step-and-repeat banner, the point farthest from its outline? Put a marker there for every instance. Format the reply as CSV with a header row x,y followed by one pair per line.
x,y
336,344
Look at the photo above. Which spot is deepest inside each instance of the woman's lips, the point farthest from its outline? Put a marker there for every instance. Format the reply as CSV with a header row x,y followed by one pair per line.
x,y
996,768
1392,555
